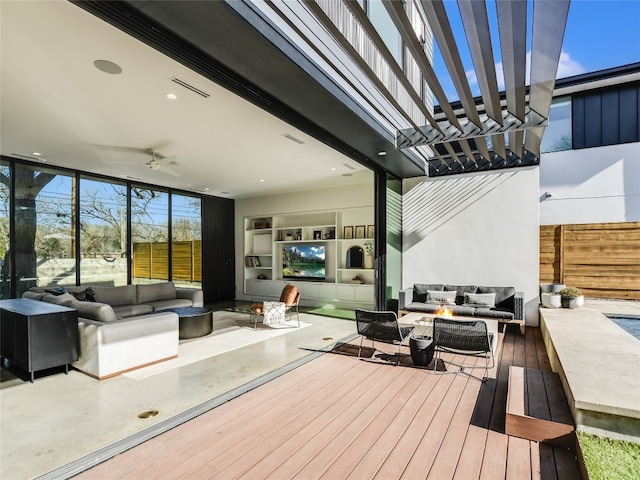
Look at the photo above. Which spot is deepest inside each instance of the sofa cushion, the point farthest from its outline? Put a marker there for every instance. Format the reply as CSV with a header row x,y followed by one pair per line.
x,y
461,310
499,313
123,311
420,290
115,296
33,295
441,297
504,296
65,299
460,291
173,303
422,307
94,311
480,300
155,292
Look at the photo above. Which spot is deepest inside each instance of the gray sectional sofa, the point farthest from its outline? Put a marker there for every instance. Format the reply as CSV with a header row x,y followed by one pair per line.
x,y
499,303
122,329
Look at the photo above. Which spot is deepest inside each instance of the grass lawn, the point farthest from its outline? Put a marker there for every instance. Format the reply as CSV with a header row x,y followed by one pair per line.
x,y
608,459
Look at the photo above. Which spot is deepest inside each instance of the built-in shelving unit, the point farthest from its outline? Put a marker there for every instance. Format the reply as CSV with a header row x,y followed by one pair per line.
x,y
267,236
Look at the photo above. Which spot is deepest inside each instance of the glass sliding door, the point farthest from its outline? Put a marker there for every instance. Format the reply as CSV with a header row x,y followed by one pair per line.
x,y
186,245
149,235
103,232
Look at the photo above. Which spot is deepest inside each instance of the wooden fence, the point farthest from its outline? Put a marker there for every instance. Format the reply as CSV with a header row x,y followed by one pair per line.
x,y
602,259
150,260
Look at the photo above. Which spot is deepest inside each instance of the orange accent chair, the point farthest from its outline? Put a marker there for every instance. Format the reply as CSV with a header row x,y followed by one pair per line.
x,y
290,296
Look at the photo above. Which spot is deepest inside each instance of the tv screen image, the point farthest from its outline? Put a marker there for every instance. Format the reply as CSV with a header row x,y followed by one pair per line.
x,y
303,262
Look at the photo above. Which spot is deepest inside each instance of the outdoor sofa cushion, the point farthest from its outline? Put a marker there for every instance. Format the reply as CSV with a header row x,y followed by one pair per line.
x,y
100,312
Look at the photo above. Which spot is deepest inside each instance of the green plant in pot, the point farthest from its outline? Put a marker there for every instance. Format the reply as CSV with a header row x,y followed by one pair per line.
x,y
570,296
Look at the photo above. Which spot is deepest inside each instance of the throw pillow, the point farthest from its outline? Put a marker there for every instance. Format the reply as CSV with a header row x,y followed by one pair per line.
x,y
87,295
56,291
441,297
480,300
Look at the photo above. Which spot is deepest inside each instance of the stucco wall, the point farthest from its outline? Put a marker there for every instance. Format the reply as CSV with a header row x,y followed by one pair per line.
x,y
478,228
592,185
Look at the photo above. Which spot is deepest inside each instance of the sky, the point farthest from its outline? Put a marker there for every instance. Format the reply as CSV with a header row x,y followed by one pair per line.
x,y
600,34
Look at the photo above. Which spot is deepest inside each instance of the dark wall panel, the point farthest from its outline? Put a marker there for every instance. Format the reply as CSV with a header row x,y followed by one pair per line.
x,y
610,118
606,117
593,121
629,115
218,249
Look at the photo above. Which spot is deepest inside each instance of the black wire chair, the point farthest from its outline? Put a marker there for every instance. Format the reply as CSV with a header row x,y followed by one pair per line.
x,y
463,337
382,327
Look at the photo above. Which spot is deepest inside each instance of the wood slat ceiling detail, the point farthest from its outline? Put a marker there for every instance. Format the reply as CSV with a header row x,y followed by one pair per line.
x,y
473,138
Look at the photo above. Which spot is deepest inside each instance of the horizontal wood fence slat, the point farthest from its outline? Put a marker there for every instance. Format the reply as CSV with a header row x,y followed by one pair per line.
x,y
602,259
150,260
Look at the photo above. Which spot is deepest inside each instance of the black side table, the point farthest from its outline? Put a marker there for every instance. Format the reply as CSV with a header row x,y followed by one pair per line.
x,y
38,335
422,350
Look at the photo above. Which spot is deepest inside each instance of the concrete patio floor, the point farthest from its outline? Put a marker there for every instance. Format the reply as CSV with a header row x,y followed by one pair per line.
x,y
599,365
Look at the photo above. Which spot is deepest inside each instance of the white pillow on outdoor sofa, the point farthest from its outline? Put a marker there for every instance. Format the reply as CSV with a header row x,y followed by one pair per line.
x,y
487,300
441,297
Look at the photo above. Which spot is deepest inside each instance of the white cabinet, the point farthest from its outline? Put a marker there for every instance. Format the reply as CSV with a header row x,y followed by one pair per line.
x,y
270,240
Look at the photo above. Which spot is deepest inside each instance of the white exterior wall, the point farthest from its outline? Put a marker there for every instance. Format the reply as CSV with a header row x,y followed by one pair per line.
x,y
474,229
591,185
314,200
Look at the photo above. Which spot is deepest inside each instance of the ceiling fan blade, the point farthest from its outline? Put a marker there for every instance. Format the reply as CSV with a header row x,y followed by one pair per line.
x,y
160,160
169,171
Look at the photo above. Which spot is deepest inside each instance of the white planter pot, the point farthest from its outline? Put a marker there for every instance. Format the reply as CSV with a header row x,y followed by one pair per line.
x,y
551,300
580,301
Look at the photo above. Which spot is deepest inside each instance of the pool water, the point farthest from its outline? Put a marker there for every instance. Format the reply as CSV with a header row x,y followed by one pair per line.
x,y
629,323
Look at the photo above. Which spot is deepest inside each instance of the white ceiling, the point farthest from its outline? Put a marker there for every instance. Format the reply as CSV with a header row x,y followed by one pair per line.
x,y
56,102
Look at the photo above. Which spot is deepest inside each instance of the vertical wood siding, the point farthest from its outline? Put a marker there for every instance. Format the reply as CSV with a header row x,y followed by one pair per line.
x,y
602,259
150,260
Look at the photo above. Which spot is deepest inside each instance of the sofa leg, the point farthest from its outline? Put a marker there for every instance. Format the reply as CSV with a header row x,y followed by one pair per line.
x,y
522,328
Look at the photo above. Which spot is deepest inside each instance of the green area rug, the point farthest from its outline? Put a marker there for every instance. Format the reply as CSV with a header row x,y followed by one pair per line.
x,y
333,312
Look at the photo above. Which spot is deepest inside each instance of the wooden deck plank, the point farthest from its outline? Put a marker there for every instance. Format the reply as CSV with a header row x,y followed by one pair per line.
x,y
343,429
518,458
444,465
543,358
494,463
537,404
558,406
257,444
472,454
325,458
337,416
427,450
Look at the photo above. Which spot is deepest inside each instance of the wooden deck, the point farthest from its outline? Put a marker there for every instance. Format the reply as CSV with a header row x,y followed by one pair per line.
x,y
337,417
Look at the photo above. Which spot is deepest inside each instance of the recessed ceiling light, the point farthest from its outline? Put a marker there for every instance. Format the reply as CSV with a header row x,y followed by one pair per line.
x,y
37,154
333,169
171,96
108,67
382,153
261,180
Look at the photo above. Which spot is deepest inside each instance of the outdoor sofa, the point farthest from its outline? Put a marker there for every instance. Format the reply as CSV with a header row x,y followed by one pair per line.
x,y
122,329
498,303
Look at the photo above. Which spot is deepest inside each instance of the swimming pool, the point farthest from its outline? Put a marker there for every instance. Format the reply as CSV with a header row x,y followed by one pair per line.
x,y
630,323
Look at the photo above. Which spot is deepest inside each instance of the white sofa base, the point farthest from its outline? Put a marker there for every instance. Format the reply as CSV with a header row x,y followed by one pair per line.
x,y
111,348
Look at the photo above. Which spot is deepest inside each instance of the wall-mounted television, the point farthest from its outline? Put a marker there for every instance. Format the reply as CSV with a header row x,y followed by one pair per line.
x,y
304,262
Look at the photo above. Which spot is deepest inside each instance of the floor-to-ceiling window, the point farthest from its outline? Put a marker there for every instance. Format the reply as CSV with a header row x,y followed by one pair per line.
x,y
186,240
5,229
62,228
44,237
149,235
103,232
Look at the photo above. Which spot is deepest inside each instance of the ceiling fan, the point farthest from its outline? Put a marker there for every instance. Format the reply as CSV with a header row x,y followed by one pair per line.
x,y
157,162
